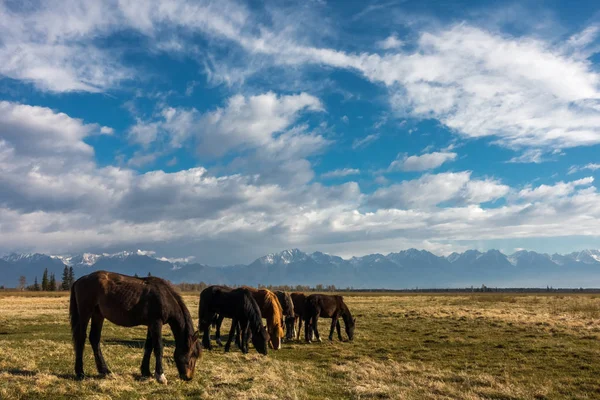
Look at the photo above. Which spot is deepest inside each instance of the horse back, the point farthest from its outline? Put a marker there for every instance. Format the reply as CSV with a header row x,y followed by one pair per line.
x,y
123,300
299,300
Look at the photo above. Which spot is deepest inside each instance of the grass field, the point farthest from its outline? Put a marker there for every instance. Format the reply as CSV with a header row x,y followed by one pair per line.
x,y
483,346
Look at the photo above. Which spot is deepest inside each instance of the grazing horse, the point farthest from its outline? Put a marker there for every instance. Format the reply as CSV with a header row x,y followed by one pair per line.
x,y
287,304
128,301
327,306
299,300
240,306
270,309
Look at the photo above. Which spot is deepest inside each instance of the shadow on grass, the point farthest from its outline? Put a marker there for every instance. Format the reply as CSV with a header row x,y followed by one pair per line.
x,y
18,372
136,343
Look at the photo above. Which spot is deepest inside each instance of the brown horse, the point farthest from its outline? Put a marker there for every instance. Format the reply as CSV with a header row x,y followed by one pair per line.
x,y
327,306
299,300
128,301
270,309
288,311
240,306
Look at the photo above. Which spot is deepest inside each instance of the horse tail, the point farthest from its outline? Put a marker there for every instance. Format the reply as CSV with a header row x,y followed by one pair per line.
x,y
73,311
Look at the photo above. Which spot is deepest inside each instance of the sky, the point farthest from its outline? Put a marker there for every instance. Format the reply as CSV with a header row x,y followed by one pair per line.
x,y
225,130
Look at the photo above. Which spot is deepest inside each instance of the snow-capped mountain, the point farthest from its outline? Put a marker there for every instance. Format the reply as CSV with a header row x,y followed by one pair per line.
x,y
404,269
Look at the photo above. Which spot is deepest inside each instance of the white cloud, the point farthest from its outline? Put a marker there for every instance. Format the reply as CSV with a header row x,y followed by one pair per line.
x,y
559,189
250,121
423,162
431,190
364,142
390,43
534,156
590,166
340,173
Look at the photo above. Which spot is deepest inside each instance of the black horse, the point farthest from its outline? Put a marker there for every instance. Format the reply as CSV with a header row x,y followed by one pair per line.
x,y
288,311
128,301
327,306
240,306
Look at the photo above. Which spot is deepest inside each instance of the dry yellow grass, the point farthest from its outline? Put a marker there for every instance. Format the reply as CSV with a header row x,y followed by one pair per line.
x,y
406,347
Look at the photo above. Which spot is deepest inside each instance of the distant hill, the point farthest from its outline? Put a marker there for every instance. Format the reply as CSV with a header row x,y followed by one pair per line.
x,y
403,270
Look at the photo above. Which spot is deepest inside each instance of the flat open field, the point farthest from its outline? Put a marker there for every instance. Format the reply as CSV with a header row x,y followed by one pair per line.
x,y
482,346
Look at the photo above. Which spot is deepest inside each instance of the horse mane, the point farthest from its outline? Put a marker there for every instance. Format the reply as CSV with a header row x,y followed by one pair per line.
x,y
346,315
187,318
272,302
252,312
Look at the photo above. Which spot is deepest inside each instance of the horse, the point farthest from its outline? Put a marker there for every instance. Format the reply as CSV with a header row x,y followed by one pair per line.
x,y
240,306
129,301
327,306
270,309
287,305
299,300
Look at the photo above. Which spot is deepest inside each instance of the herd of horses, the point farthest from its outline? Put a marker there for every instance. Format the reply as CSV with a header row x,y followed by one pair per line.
x,y
153,302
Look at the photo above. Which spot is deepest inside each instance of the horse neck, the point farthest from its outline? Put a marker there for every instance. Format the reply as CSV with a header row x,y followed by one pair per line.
x,y
346,316
181,324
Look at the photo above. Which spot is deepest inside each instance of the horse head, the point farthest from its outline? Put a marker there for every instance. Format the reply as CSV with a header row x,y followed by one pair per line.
x,y
260,340
185,359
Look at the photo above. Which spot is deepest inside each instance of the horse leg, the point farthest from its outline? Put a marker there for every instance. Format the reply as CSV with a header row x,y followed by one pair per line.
x,y
218,330
206,336
239,336
339,330
315,327
231,333
307,327
299,328
79,337
157,345
95,333
147,353
334,321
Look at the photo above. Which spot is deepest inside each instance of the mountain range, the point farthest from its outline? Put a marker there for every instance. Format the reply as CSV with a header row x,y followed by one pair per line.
x,y
406,269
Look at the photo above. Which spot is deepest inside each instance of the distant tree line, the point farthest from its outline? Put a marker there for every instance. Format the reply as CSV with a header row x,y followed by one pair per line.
x,y
49,282
198,287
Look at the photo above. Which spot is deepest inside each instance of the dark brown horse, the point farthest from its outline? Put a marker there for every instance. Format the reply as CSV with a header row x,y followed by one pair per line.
x,y
299,300
128,301
240,306
327,306
287,304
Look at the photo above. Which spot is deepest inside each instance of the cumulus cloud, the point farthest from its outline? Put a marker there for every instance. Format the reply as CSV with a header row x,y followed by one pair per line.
x,y
559,189
431,190
391,42
423,162
251,121
340,173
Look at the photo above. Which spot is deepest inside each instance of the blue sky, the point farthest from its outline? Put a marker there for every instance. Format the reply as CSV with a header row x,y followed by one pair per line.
x,y
227,130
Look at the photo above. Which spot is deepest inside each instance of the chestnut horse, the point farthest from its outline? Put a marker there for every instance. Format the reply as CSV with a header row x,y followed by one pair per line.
x,y
287,305
128,301
327,306
240,306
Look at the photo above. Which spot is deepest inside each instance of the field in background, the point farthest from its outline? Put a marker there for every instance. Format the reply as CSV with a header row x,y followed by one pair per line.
x,y
467,346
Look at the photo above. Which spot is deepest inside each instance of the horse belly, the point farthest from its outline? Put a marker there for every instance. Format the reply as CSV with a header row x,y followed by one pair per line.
x,y
123,317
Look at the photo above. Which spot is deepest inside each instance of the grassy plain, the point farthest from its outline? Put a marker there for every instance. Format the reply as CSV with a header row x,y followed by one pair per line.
x,y
459,346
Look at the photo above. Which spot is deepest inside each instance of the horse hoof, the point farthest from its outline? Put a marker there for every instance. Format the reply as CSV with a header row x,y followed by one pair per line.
x,y
80,377
320,341
162,379
220,343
